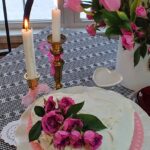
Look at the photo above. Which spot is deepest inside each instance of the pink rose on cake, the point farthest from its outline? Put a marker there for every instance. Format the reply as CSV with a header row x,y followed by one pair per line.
x,y
71,124
61,139
92,140
50,105
65,103
76,139
51,122
65,128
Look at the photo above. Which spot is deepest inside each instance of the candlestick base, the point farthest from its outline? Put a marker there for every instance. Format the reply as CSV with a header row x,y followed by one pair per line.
x,y
58,62
32,83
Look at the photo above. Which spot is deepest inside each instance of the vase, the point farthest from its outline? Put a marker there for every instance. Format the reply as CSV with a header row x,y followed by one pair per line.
x,y
134,77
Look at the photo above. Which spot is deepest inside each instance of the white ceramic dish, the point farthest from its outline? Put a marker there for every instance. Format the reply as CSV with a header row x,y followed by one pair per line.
x,y
104,77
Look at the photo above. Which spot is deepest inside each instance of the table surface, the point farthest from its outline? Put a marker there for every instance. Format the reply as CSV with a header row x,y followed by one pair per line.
x,y
82,55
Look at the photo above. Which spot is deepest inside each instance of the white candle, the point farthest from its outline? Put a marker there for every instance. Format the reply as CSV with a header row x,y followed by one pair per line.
x,y
56,19
29,52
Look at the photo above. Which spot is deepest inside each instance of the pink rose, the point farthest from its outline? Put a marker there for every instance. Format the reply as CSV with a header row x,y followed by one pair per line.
x,y
51,122
75,5
91,30
65,103
141,11
92,139
89,17
76,139
134,27
128,40
148,49
140,34
102,24
50,105
61,139
71,124
111,5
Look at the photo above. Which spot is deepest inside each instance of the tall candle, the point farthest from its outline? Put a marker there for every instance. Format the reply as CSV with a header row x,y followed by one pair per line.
x,y
29,52
56,19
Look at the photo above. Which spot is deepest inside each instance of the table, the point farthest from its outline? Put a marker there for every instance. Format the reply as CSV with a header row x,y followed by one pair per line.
x,y
82,55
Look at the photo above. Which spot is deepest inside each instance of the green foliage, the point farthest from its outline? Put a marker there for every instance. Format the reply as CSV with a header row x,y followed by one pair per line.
x,y
35,131
39,111
90,122
133,6
74,109
137,56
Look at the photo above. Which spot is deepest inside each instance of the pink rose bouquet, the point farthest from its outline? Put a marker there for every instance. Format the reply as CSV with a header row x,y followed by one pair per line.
x,y
133,16
62,122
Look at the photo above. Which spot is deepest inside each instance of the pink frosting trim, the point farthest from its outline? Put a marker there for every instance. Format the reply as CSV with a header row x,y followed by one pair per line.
x,y
138,137
136,144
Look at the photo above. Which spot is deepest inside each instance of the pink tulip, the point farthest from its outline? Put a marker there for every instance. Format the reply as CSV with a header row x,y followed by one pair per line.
x,y
91,30
148,49
134,27
141,11
128,40
89,17
140,34
111,5
74,5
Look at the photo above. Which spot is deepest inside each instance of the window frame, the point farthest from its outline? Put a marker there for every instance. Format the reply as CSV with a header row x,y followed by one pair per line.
x,y
69,18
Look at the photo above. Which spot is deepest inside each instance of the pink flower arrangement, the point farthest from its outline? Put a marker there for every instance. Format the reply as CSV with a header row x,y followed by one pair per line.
x,y
91,29
141,11
73,5
117,15
61,121
128,40
111,5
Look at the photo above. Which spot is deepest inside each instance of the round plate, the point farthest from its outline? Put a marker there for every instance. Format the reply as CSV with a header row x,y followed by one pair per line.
x,y
104,77
22,137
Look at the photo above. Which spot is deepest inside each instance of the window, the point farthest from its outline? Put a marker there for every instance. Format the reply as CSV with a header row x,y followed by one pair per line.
x,y
40,14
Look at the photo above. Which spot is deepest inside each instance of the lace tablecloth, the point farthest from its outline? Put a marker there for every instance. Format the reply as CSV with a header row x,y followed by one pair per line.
x,y
82,55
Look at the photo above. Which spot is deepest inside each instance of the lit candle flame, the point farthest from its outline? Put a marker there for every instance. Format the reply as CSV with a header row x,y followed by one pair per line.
x,y
55,3
26,24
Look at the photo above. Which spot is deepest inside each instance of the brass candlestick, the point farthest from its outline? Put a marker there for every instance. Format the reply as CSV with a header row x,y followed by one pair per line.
x,y
58,63
32,83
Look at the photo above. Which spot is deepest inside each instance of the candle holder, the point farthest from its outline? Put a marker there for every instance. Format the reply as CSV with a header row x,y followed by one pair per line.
x,y
58,62
32,83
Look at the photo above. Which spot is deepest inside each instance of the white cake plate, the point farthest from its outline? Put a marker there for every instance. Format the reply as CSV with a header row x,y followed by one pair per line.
x,y
22,137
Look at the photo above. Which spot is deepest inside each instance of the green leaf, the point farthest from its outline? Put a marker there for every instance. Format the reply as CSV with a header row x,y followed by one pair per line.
x,y
97,17
137,56
111,18
35,131
39,111
143,50
126,25
122,16
74,109
133,7
112,31
90,122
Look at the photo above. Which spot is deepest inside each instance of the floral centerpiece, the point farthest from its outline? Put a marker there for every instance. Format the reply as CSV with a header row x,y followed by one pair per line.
x,y
62,123
128,18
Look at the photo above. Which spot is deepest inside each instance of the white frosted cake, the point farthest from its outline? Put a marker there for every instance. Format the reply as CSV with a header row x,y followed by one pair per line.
x,y
117,115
